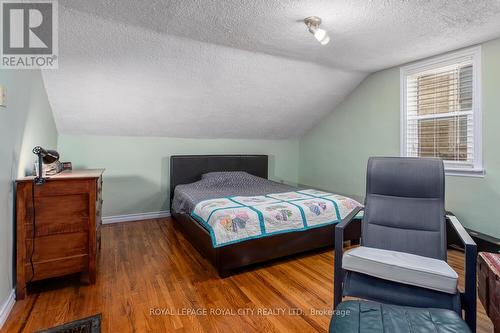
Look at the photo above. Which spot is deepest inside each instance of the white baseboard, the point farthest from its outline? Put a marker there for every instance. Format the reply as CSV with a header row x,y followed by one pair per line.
x,y
6,307
135,217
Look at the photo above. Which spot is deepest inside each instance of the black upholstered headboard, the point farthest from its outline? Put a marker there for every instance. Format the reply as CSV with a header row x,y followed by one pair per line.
x,y
185,169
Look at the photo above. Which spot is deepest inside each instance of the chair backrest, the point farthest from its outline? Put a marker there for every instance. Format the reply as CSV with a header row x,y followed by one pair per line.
x,y
404,206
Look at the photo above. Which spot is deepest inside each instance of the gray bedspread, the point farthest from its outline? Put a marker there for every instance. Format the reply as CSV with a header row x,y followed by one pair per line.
x,y
223,184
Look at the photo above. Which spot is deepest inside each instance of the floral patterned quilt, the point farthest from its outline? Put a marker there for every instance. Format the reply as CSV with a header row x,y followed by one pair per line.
x,y
234,219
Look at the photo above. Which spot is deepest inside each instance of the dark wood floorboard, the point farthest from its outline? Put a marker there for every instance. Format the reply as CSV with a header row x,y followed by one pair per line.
x,y
150,279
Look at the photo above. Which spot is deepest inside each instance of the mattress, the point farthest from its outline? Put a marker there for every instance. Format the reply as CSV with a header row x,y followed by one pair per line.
x,y
236,206
223,184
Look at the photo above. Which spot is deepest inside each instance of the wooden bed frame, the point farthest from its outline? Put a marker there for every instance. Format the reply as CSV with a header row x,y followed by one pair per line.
x,y
185,169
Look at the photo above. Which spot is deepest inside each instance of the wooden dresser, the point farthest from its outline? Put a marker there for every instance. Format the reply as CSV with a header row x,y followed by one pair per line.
x,y
67,226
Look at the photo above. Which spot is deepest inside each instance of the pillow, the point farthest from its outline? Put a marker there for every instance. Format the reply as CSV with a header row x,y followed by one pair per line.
x,y
224,174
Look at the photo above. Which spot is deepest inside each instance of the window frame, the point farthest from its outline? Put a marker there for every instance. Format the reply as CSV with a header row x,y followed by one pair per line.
x,y
437,62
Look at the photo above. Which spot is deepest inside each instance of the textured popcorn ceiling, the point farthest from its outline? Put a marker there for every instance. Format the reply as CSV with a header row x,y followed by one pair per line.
x,y
237,69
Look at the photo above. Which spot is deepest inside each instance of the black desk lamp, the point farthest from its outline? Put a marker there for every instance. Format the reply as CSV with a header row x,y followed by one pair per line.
x,y
44,156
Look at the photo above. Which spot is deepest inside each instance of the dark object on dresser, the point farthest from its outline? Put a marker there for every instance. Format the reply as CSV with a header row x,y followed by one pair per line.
x,y
485,242
61,233
44,156
85,325
488,267
189,168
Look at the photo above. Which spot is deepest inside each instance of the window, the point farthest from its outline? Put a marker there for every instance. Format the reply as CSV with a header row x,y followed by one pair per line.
x,y
440,111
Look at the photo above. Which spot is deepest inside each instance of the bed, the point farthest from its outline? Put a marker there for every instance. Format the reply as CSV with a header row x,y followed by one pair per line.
x,y
195,183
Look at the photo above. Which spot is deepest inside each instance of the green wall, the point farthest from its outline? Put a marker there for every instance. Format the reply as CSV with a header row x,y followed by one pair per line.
x,y
26,122
333,155
137,168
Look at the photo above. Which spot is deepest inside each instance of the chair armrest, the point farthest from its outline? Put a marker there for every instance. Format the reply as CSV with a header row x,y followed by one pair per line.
x,y
469,296
461,232
338,274
348,219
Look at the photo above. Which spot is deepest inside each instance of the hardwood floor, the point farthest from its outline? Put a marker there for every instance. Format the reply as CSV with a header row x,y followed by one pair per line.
x,y
150,279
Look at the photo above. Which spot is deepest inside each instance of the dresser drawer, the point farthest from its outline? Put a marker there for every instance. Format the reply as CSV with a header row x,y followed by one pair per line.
x,y
57,246
56,228
57,214
57,267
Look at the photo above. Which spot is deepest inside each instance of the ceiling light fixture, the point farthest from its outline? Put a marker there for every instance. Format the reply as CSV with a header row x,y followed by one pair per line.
x,y
313,23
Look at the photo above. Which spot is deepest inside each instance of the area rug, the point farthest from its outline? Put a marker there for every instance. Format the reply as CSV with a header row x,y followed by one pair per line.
x,y
86,325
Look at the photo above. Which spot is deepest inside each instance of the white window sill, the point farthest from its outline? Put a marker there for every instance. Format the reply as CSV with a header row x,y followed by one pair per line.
x,y
478,173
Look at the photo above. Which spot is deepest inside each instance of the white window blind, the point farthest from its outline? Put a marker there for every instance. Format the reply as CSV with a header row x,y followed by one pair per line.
x,y
441,112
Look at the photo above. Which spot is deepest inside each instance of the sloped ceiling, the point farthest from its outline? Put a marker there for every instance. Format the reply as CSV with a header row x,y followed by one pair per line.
x,y
237,69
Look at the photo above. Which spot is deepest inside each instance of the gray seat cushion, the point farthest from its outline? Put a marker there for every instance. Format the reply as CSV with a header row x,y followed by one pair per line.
x,y
402,267
371,317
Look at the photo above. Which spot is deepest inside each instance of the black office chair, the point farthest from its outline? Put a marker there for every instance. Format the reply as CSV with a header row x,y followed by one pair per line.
x,y
402,257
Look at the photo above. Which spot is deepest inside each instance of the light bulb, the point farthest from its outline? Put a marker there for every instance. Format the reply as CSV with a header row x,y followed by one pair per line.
x,y
322,36
313,23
